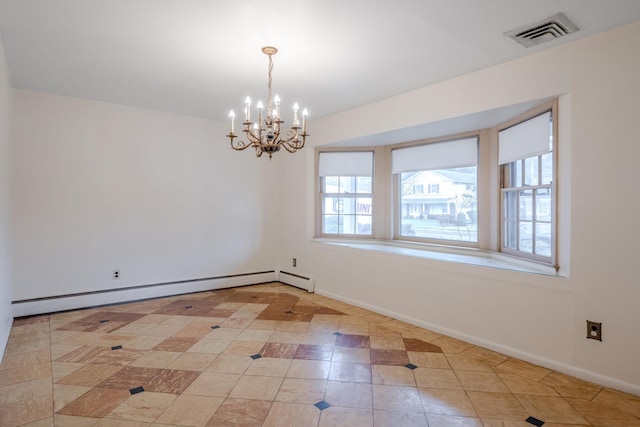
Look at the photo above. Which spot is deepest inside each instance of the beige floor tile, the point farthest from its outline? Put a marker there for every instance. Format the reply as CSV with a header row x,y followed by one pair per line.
x,y
224,334
192,361
155,359
551,409
568,386
451,345
483,354
400,419
422,334
111,422
446,402
256,388
481,381
309,369
62,369
619,400
229,364
21,360
396,398
210,345
65,394
352,417
271,325
287,337
313,338
351,355
14,348
392,375
293,327
25,373
284,414
351,395
428,360
387,342
24,391
192,411
213,384
59,350
260,335
462,362
497,405
297,390
23,412
524,369
436,378
143,407
269,367
520,385
71,421
451,421
602,415
351,372
244,348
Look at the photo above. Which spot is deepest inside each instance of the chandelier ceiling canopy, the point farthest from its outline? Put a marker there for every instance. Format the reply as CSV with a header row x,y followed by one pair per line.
x,y
267,134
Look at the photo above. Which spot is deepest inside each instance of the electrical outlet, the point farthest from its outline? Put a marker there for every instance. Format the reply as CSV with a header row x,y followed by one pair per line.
x,y
594,330
116,274
295,262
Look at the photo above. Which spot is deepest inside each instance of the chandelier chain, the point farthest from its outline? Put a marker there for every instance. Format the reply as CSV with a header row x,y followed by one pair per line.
x,y
269,86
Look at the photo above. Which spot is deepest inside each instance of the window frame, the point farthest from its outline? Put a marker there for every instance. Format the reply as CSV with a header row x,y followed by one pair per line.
x,y
320,195
386,221
552,260
396,196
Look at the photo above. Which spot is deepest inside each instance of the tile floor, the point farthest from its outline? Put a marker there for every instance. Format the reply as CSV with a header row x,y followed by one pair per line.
x,y
273,355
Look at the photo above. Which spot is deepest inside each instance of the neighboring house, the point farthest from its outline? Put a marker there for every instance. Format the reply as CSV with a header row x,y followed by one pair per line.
x,y
439,194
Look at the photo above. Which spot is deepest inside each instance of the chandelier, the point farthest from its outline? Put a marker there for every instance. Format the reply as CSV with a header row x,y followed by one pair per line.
x,y
266,135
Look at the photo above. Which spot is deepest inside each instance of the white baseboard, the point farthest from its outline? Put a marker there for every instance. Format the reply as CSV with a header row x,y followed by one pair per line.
x,y
114,296
302,282
532,358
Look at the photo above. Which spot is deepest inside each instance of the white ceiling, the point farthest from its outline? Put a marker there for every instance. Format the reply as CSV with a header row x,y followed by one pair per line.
x,y
202,57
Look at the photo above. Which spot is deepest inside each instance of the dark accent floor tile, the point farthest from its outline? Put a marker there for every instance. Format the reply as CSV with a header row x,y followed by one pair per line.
x,y
271,315
389,357
413,344
215,327
255,356
136,390
322,405
298,317
314,352
337,334
353,341
410,366
279,350
535,421
327,310
116,347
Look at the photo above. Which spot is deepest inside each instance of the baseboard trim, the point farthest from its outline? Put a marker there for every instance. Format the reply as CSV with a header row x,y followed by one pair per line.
x,y
297,280
53,304
509,351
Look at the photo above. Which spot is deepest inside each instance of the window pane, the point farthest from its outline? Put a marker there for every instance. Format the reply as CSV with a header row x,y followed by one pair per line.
x,y
347,205
510,234
547,168
363,184
510,204
364,224
543,204
331,224
543,239
347,184
518,173
330,184
329,205
348,224
526,205
525,240
531,171
445,208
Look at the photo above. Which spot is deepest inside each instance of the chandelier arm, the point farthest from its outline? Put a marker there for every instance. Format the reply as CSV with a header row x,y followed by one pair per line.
x,y
241,145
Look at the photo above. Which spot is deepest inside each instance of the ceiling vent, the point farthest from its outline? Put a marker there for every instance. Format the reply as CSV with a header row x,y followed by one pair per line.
x,y
543,31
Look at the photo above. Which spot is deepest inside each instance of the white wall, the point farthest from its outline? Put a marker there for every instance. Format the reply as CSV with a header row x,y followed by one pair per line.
x,y
539,318
6,317
159,196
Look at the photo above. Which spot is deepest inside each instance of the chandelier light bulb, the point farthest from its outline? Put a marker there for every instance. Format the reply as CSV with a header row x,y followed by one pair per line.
x,y
232,116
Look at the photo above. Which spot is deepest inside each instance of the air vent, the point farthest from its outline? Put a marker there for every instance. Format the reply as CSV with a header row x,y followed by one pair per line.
x,y
543,31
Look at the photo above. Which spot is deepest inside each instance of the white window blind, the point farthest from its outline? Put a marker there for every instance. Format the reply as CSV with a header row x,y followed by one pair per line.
x,y
527,139
441,155
350,163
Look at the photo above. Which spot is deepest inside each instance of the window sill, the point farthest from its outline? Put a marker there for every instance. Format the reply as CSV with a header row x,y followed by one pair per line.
x,y
470,256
